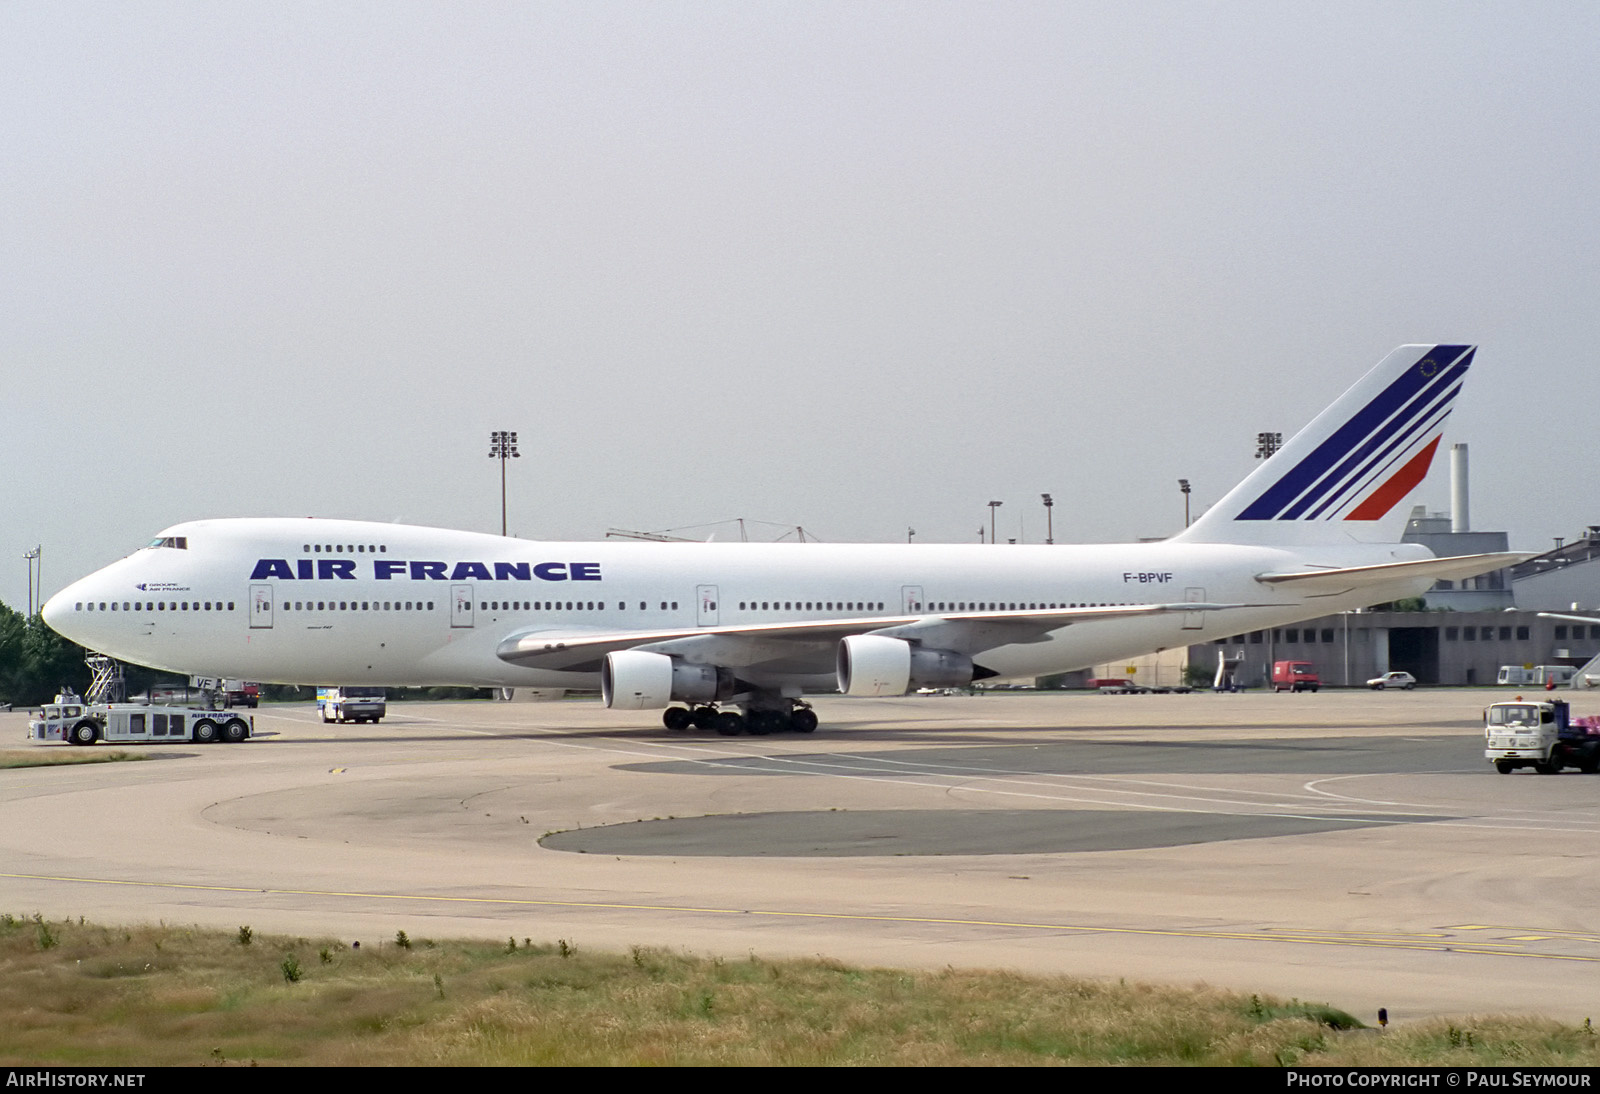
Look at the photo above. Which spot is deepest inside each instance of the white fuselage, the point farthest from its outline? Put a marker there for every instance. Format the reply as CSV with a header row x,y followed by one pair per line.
x,y
345,602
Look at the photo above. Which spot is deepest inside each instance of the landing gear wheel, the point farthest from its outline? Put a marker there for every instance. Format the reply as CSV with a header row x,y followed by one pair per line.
x,y
730,723
703,717
803,721
85,733
235,731
676,718
768,721
1505,767
205,731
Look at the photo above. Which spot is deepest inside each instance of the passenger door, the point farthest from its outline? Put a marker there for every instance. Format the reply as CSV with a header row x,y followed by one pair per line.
x,y
706,614
461,605
260,607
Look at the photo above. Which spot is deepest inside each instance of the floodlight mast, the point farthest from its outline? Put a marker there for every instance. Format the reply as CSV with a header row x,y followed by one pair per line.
x,y
35,579
503,447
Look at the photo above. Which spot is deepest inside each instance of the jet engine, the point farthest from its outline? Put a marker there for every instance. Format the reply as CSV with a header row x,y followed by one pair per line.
x,y
636,680
870,664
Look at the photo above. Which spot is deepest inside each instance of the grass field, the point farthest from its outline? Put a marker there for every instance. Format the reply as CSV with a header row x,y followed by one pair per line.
x,y
82,994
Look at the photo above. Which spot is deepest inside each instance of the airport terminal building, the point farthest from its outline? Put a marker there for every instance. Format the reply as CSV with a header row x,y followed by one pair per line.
x,y
1437,647
1462,637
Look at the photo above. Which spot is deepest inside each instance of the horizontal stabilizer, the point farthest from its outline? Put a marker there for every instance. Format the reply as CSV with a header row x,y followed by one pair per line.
x,y
1334,581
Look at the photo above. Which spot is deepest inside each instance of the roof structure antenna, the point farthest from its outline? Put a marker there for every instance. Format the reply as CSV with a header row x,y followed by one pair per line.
x,y
671,535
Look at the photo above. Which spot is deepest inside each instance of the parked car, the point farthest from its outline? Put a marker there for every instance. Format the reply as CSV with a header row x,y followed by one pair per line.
x,y
1392,680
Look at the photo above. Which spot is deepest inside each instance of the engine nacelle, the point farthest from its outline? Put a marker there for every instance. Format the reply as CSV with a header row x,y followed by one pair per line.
x,y
636,680
870,664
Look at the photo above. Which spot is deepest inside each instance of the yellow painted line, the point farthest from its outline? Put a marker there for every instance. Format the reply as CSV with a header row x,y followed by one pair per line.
x,y
1422,936
1536,933
939,921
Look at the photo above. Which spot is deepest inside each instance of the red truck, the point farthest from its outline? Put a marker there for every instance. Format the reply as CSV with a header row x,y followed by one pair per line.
x,y
1295,676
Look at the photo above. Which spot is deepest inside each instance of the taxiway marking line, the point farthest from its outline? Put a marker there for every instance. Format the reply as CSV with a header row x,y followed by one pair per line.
x,y
1479,949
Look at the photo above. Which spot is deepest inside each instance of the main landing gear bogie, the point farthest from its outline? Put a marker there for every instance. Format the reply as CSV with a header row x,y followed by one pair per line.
x,y
758,722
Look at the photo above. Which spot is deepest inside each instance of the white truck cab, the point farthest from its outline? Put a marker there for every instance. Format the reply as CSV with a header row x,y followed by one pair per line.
x,y
1541,734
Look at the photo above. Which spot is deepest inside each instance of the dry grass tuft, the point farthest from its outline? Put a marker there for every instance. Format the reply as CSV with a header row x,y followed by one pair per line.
x,y
86,995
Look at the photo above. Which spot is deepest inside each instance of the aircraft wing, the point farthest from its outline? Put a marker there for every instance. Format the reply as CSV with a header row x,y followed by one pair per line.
x,y
1334,581
808,647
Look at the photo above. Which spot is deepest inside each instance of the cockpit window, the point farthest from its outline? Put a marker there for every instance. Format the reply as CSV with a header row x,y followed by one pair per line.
x,y
180,542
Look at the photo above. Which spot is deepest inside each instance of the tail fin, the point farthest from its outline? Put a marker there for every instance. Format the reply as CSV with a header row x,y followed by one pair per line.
x,y
1341,478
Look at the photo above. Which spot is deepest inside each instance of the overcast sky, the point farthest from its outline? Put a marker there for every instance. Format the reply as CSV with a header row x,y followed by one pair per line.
x,y
859,267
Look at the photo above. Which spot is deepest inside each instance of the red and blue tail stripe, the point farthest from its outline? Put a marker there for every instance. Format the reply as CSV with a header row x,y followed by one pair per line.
x,y
1369,463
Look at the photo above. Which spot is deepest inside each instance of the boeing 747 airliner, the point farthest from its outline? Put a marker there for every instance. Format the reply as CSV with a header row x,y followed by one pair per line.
x,y
739,633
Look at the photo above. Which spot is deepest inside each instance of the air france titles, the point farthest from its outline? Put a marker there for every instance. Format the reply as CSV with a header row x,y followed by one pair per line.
x,y
389,569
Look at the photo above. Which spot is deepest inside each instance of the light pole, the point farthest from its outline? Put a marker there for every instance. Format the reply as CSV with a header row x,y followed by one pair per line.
x,y
993,505
35,581
1183,484
1049,524
1267,444
503,447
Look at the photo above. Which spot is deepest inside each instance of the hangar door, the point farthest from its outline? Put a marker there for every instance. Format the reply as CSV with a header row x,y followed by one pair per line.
x,y
1415,650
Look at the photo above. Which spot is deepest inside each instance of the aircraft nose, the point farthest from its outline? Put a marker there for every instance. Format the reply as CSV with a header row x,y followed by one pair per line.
x,y
58,614
54,609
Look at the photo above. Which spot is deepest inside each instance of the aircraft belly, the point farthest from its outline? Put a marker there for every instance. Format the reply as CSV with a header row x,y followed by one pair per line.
x,y
822,683
1084,645
468,658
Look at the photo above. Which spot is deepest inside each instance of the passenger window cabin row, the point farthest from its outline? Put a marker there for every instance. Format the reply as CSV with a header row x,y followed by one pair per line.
x,y
154,606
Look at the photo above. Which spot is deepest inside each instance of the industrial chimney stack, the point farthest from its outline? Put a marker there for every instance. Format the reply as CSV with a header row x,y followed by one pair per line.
x,y
1460,518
